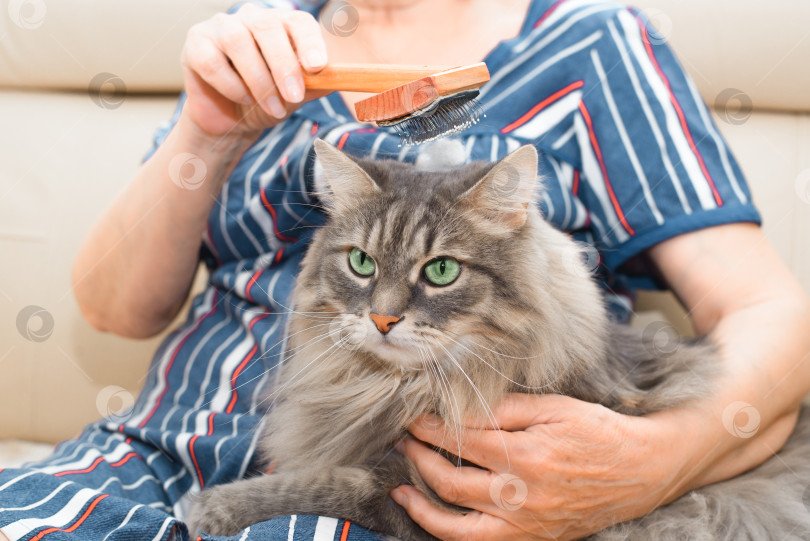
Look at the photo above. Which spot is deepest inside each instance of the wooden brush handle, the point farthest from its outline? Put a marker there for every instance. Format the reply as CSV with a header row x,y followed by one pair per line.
x,y
367,77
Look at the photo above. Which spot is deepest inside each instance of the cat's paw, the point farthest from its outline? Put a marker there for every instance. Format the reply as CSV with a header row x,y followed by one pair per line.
x,y
211,513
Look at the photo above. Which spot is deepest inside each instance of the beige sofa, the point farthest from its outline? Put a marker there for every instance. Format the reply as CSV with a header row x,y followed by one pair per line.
x,y
67,149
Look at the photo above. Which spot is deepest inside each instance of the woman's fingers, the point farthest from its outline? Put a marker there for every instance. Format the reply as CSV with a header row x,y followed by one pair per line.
x,y
306,36
443,524
204,58
466,486
236,41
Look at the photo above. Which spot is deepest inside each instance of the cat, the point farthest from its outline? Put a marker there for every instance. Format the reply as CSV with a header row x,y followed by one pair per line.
x,y
441,292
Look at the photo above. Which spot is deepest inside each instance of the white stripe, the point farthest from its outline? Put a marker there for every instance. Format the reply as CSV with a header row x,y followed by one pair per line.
x,y
325,529
203,392
40,502
327,107
563,171
543,43
17,480
592,172
131,486
721,146
187,371
245,534
559,143
151,400
89,457
673,124
124,522
291,531
376,146
176,477
493,152
66,515
645,106
235,356
163,528
549,117
523,82
562,11
626,142
468,147
273,140
512,144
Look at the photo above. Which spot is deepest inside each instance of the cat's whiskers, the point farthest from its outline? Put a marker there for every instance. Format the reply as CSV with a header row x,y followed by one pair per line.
x,y
489,413
504,376
311,341
455,412
330,351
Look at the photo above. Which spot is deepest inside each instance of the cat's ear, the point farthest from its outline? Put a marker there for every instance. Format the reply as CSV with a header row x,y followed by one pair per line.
x,y
338,178
504,194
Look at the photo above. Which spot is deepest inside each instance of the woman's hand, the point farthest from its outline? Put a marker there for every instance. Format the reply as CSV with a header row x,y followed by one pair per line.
x,y
243,71
559,468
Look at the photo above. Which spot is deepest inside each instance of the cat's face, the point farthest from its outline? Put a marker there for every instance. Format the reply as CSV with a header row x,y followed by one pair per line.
x,y
414,266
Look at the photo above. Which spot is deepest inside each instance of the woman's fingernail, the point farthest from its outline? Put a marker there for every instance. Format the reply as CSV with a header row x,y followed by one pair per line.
x,y
276,108
293,89
316,59
399,497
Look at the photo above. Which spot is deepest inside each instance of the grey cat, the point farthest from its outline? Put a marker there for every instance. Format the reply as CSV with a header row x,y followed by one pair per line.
x,y
433,292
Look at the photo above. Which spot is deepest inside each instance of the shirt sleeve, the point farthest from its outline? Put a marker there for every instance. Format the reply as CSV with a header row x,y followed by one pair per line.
x,y
653,164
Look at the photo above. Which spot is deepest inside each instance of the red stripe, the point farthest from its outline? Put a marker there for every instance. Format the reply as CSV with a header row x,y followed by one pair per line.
x,y
211,423
89,468
542,105
75,524
95,464
342,140
314,129
250,284
366,130
124,460
272,212
194,460
345,534
279,255
575,188
548,13
174,356
586,115
646,39
242,365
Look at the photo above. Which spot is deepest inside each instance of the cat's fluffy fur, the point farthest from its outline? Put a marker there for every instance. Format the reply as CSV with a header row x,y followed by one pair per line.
x,y
523,316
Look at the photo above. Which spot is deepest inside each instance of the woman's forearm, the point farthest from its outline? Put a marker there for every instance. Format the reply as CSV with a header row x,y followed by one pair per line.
x,y
746,300
753,411
135,267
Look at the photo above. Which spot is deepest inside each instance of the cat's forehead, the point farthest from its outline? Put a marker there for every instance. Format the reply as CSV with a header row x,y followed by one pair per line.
x,y
405,181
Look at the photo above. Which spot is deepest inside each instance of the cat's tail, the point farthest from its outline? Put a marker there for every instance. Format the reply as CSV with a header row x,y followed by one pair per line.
x,y
651,369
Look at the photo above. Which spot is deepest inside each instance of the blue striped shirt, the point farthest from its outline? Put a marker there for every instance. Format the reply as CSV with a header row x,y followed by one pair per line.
x,y
629,156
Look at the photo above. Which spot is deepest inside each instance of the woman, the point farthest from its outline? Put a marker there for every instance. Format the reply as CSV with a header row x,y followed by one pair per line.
x,y
633,166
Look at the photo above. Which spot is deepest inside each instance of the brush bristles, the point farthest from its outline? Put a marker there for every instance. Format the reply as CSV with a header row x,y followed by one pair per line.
x,y
447,116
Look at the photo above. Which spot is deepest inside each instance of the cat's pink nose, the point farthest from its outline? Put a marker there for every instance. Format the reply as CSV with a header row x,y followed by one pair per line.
x,y
383,323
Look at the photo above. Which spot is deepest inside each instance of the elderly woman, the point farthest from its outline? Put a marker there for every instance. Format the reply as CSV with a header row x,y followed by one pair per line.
x,y
633,165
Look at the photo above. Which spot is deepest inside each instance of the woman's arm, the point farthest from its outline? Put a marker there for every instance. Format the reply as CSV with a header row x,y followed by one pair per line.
x,y
242,75
736,288
563,469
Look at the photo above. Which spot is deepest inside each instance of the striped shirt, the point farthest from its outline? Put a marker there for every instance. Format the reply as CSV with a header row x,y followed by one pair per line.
x,y
629,156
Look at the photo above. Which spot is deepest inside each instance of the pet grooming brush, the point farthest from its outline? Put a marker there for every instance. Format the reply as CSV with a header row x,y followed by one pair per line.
x,y
422,103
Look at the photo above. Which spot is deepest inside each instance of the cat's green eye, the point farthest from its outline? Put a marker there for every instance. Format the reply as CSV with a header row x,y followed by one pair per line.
x,y
361,262
442,271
